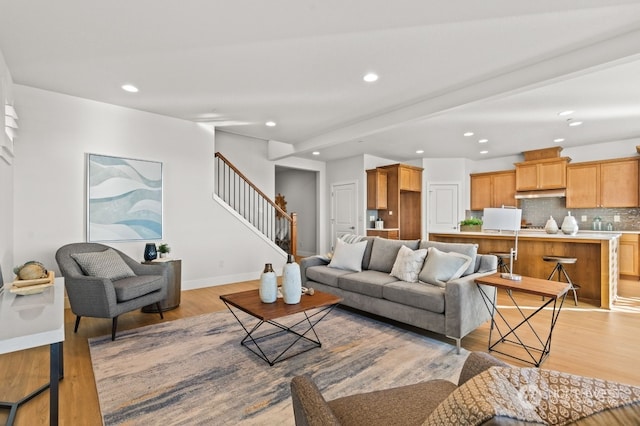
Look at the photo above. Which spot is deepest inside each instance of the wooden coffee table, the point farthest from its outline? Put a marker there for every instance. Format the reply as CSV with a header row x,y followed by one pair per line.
x,y
315,308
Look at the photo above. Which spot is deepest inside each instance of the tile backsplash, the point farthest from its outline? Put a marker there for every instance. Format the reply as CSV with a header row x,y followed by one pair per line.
x,y
536,211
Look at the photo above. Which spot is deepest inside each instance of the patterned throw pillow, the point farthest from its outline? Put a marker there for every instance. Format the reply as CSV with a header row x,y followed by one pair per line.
x,y
408,264
103,264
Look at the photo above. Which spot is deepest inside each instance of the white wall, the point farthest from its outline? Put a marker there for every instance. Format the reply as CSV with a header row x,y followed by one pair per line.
x,y
6,181
56,131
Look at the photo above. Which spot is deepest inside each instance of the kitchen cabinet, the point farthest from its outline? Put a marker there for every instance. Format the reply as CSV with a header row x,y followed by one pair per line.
x,y
549,173
391,234
628,252
376,189
611,183
493,189
404,200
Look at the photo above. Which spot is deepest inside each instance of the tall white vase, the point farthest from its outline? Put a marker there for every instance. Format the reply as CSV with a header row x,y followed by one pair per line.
x,y
291,282
268,285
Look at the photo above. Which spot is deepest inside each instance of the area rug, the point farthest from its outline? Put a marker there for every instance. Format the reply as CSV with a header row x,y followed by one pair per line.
x,y
194,370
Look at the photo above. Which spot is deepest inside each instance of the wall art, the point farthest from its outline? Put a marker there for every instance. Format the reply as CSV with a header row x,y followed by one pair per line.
x,y
124,199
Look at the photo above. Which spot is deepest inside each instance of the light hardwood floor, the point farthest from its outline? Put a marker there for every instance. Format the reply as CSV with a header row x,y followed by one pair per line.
x,y
587,341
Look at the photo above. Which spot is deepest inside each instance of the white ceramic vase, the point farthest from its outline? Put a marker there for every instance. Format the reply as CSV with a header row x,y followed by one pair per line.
x,y
569,225
291,282
551,227
268,285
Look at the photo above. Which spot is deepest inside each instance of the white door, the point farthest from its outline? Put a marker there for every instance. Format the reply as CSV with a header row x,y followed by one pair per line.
x,y
443,207
344,210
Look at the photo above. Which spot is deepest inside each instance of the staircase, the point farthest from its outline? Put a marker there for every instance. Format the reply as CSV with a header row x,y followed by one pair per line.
x,y
254,206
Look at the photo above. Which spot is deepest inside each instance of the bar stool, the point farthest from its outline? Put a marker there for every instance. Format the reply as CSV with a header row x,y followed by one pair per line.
x,y
502,265
560,261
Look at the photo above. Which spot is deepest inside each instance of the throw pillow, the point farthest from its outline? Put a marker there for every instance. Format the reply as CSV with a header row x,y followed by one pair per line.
x,y
467,249
441,267
103,264
408,264
348,256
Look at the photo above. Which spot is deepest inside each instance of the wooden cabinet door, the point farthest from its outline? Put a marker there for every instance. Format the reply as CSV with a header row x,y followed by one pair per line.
x,y
552,175
583,185
628,255
410,179
504,189
527,177
619,183
481,193
376,189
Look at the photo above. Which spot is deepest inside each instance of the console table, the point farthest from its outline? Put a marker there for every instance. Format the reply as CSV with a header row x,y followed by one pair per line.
x,y
534,344
30,321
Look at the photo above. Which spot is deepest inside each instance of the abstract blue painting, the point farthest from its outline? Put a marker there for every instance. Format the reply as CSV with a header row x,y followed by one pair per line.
x,y
124,199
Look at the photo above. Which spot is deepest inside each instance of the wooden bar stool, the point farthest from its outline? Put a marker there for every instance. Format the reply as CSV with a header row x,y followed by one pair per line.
x,y
560,269
503,266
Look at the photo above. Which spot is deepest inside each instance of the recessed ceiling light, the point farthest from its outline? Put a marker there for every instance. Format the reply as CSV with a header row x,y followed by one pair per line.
x,y
483,141
371,77
468,134
270,124
484,152
564,113
316,152
129,88
558,140
420,151
575,123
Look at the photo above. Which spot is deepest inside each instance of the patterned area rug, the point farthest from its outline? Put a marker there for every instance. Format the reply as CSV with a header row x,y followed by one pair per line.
x,y
194,370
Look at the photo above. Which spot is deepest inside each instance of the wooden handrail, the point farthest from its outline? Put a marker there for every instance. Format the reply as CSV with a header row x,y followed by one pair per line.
x,y
254,187
279,212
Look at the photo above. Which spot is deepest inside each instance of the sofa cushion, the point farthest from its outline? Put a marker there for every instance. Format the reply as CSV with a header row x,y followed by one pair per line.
x,y
133,287
369,282
323,274
408,264
470,250
348,256
384,253
441,267
103,264
422,296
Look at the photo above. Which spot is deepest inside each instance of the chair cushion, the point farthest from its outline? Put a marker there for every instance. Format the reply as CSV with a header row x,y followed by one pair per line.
x,y
136,286
103,264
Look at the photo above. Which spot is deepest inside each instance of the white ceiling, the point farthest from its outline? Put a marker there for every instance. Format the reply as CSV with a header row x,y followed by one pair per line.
x,y
500,68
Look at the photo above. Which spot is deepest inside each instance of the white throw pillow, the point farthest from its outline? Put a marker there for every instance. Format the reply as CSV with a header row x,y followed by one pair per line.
x,y
348,256
441,267
408,264
103,264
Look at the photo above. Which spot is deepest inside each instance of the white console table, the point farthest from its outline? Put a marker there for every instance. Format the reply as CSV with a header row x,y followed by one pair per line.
x,y
31,321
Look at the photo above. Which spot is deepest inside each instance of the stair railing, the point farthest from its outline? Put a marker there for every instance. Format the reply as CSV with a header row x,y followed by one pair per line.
x,y
242,195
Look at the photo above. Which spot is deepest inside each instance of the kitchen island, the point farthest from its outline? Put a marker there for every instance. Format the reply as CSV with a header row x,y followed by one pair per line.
x,y
596,271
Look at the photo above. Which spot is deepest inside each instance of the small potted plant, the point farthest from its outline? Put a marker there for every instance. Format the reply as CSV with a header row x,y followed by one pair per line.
x,y
164,249
473,224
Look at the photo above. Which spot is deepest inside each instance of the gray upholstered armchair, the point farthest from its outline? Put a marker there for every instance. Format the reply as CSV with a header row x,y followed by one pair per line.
x,y
103,282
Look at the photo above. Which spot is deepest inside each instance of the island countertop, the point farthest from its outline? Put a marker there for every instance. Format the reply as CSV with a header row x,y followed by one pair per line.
x,y
596,270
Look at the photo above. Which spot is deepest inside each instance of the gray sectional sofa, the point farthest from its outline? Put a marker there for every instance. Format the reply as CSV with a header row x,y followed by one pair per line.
x,y
453,308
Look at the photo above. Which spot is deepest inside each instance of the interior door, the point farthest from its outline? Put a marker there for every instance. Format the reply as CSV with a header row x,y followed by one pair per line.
x,y
443,207
344,210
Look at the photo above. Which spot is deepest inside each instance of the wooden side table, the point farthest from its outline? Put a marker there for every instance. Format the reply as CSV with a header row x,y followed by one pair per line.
x,y
172,300
534,345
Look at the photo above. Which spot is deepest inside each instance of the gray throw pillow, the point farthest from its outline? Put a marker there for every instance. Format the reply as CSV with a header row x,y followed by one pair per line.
x,y
467,249
384,253
103,264
441,267
348,256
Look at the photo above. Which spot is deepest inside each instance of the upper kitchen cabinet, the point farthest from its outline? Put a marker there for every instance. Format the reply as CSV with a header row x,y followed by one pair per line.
x,y
376,189
550,173
410,178
404,200
612,183
493,189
